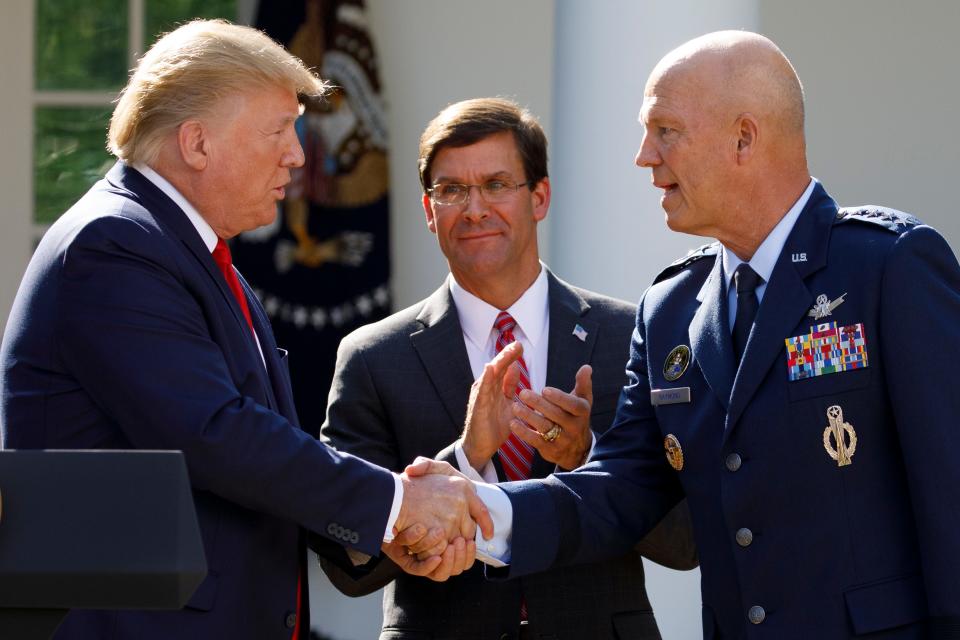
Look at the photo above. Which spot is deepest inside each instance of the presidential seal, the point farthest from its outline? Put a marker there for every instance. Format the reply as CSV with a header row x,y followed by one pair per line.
x,y
676,363
674,451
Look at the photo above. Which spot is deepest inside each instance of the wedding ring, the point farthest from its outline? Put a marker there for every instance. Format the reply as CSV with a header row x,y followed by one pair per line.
x,y
553,433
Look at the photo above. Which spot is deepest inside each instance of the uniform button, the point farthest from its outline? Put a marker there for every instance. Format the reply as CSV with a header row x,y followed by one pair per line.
x,y
332,528
744,537
290,621
733,462
756,614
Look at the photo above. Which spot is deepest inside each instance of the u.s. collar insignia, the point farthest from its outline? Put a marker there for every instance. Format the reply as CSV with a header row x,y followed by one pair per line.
x,y
676,363
824,306
674,451
839,438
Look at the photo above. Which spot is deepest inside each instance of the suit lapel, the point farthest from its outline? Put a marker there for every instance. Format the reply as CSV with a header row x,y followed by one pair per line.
x,y
274,380
566,352
441,349
785,301
172,218
709,334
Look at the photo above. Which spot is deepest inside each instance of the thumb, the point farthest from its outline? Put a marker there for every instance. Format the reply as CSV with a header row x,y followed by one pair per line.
x,y
583,387
419,467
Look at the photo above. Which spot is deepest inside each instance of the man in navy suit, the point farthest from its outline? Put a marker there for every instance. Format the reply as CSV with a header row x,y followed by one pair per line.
x,y
132,330
792,381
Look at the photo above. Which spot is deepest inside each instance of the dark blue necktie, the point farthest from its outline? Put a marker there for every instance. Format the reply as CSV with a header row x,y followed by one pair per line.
x,y
745,281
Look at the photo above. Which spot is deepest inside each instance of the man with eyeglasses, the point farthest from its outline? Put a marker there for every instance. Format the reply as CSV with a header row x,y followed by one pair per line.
x,y
401,386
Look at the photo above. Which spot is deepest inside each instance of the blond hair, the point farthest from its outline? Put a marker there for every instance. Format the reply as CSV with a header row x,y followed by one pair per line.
x,y
187,72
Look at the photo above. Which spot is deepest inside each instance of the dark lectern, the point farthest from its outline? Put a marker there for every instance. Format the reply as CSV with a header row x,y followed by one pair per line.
x,y
93,530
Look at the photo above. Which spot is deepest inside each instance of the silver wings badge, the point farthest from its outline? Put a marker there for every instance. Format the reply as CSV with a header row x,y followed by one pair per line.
x,y
824,306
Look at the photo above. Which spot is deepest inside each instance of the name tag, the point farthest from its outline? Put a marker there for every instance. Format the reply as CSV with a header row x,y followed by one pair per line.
x,y
676,395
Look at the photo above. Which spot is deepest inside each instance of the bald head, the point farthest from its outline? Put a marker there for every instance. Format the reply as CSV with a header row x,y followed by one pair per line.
x,y
738,72
724,137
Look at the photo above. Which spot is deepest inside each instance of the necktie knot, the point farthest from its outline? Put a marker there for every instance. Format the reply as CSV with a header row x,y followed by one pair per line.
x,y
745,279
504,322
221,255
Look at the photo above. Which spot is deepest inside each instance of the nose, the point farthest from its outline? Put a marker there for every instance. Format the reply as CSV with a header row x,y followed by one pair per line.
x,y
293,156
647,155
475,208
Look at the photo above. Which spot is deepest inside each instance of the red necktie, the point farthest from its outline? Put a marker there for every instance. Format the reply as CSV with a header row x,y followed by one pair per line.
x,y
221,255
515,454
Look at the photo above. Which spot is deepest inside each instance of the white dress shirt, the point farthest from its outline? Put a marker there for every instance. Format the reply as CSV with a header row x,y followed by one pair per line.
x,y
532,315
765,257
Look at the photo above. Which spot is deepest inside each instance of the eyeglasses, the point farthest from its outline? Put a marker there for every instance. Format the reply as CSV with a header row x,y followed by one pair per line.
x,y
493,191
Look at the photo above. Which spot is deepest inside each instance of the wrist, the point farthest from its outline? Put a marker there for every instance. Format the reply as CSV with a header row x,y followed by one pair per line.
x,y
476,456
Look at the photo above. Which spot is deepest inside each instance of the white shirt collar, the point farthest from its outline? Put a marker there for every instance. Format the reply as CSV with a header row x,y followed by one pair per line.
x,y
477,317
207,234
766,255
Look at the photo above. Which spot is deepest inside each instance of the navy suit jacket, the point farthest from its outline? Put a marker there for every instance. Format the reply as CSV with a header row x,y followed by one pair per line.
x,y
791,544
124,335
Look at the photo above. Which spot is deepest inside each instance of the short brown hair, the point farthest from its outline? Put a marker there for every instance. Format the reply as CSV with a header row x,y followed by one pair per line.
x,y
187,72
467,122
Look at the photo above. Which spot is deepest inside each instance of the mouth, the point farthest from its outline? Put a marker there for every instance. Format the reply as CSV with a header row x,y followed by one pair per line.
x,y
280,191
668,187
480,236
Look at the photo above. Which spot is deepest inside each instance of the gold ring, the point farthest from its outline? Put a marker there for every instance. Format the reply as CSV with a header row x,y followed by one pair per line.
x,y
553,433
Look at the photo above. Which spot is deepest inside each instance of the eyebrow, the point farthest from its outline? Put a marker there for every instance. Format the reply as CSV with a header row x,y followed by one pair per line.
x,y
503,173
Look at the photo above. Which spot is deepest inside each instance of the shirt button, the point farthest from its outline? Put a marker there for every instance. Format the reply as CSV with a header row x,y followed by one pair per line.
x,y
756,614
290,621
733,462
744,537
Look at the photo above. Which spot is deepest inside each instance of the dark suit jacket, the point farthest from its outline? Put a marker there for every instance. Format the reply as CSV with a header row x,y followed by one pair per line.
x,y
124,335
400,390
804,547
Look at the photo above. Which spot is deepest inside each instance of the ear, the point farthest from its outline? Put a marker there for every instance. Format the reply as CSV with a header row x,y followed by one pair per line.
x,y
192,144
540,193
428,211
748,132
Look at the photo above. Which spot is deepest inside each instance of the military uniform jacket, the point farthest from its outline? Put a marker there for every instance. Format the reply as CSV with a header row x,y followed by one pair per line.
x,y
792,544
400,390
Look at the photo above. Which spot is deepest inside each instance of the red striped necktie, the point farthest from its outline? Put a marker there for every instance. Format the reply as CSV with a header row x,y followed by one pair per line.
x,y
515,454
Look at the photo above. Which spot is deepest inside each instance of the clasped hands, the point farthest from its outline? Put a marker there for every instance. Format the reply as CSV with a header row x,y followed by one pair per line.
x,y
434,535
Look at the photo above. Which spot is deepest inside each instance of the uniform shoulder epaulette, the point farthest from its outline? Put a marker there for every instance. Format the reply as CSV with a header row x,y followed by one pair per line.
x,y
890,219
676,266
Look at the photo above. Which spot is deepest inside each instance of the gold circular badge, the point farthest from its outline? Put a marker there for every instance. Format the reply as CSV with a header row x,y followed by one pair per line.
x,y
676,363
674,451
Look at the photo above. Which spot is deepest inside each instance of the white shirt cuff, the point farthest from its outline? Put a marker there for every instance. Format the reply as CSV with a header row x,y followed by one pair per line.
x,y
496,551
487,474
395,508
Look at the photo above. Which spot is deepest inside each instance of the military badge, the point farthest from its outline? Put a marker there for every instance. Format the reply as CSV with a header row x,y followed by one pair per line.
x,y
674,451
826,349
839,438
676,363
824,306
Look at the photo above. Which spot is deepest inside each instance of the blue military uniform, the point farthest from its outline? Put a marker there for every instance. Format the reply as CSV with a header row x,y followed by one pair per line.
x,y
821,474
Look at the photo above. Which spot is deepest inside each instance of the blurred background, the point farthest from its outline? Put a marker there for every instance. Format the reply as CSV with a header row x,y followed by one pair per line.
x,y
351,245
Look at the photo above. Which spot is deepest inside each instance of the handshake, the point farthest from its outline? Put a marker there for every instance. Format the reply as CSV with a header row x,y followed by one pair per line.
x,y
435,531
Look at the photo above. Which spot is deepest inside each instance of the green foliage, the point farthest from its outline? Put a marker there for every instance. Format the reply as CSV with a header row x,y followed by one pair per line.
x,y
166,15
81,44
69,156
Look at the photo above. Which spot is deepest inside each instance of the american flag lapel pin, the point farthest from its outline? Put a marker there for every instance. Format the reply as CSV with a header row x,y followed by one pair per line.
x,y
580,332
